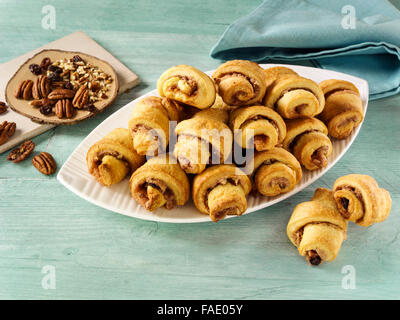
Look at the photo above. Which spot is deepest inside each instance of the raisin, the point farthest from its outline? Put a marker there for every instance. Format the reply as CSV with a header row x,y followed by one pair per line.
x,y
53,76
77,59
46,110
69,86
92,108
46,62
35,69
55,69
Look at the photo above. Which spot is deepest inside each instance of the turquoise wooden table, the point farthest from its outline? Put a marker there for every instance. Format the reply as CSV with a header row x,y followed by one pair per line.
x,y
47,233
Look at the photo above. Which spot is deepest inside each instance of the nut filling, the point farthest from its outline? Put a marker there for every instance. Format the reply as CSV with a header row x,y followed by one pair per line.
x,y
161,187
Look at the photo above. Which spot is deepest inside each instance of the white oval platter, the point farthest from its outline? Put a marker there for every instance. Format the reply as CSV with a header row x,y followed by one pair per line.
x,y
74,174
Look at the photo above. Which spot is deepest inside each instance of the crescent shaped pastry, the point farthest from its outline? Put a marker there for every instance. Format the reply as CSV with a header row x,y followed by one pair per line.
x,y
294,97
359,199
259,125
343,107
160,182
188,85
240,82
316,228
274,172
112,158
307,139
149,124
203,139
221,190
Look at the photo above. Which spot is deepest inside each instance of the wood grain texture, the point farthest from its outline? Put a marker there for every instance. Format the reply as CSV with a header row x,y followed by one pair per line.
x,y
100,254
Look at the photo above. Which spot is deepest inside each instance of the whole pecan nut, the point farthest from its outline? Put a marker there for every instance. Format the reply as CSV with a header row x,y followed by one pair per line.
x,y
3,107
81,97
7,129
41,88
22,152
24,90
45,163
42,102
60,93
64,108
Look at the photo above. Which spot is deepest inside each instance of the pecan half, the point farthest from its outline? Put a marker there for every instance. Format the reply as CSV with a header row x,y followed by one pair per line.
x,y
41,87
22,152
24,90
7,129
64,108
46,62
45,163
81,97
61,93
3,107
42,102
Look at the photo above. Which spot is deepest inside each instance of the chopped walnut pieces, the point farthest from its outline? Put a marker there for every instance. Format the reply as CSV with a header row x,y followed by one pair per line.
x,y
77,73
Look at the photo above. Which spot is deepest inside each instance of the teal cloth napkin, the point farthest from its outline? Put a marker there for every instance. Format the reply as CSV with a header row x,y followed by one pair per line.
x,y
312,29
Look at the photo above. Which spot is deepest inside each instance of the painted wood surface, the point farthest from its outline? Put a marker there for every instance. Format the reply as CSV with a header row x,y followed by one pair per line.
x,y
100,254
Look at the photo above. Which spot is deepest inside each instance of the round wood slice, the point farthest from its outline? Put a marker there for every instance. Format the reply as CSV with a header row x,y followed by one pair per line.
x,y
23,73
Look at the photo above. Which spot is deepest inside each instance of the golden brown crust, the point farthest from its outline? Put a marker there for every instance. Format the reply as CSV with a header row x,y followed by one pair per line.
x,y
343,107
294,97
240,82
203,139
149,126
273,73
160,182
113,157
307,139
188,85
317,228
359,199
262,125
220,190
274,172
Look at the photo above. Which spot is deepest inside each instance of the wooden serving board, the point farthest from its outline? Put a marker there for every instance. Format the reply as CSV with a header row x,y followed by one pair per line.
x,y
77,41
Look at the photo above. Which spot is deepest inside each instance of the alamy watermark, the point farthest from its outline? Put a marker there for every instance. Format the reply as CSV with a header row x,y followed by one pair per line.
x,y
349,280
349,17
49,18
49,278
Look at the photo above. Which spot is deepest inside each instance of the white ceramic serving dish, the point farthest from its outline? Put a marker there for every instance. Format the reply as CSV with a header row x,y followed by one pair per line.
x,y
74,174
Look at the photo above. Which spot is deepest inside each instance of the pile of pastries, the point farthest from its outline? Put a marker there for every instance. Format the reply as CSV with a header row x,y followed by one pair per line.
x,y
219,138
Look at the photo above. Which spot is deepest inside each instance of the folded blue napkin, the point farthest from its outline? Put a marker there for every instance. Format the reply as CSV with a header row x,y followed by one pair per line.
x,y
325,32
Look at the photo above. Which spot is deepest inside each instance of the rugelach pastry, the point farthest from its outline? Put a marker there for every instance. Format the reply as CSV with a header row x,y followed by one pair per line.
x,y
273,73
160,182
359,199
221,190
112,158
307,139
343,107
274,172
149,124
295,97
187,85
240,82
317,228
202,140
258,127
